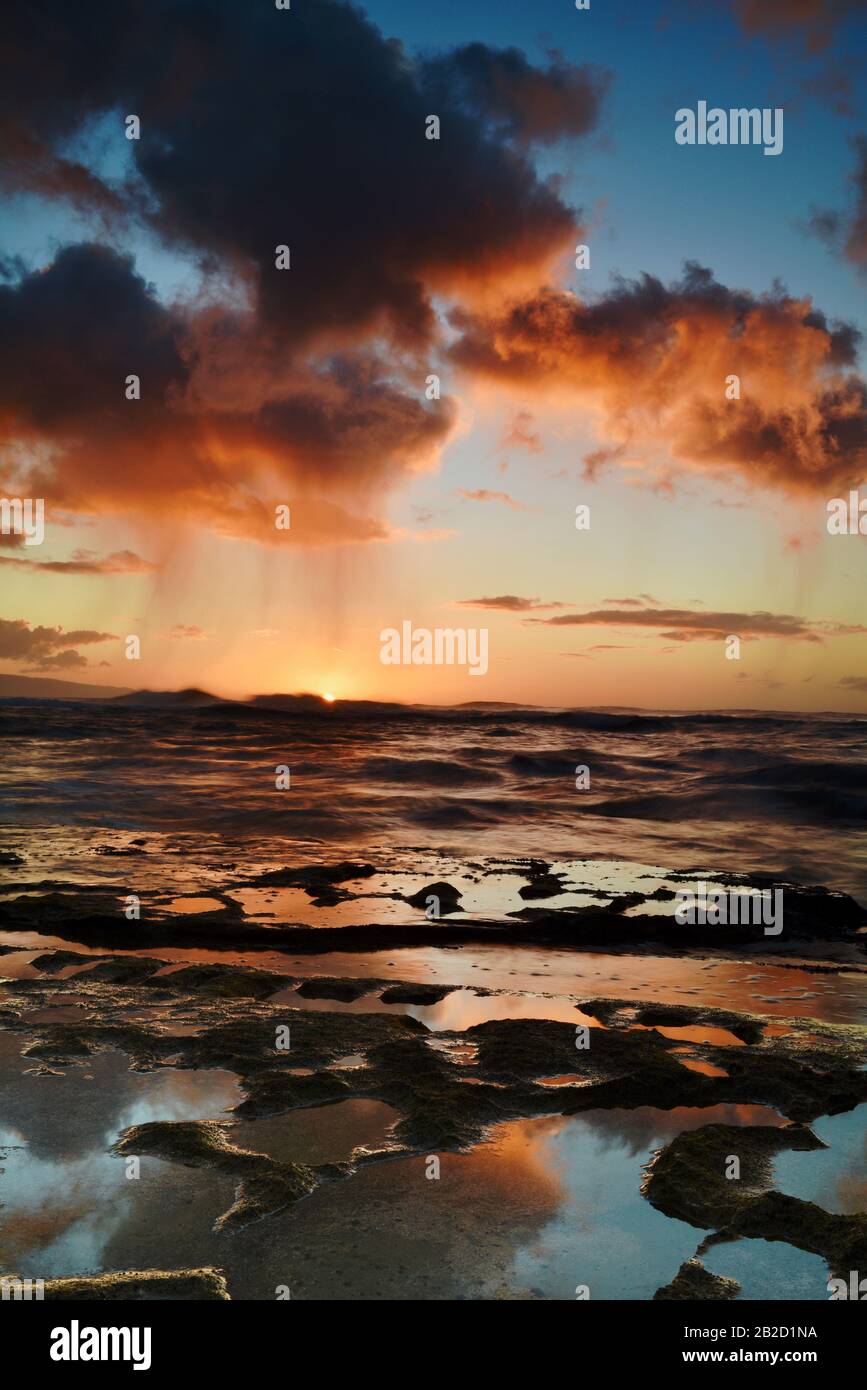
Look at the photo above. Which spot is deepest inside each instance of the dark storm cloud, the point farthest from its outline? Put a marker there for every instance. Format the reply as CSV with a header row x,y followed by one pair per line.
x,y
262,128
27,165
70,334
527,103
306,128
216,420
46,648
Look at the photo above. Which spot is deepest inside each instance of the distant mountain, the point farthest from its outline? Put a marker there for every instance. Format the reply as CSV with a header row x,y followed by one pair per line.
x,y
286,704
490,704
42,688
169,699
310,704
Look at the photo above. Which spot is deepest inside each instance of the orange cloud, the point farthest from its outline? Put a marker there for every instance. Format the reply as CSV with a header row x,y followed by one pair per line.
x,y
225,426
46,648
507,603
656,364
813,20
84,562
484,494
690,625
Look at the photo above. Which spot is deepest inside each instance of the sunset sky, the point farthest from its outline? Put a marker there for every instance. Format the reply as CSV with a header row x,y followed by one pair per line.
x,y
456,257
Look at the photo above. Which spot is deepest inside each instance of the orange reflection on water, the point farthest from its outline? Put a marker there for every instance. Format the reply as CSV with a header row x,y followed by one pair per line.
x,y
703,1068
698,1033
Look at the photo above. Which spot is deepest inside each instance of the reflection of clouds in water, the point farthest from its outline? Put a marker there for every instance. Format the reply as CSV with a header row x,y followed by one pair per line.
x,y
607,1235
852,1186
836,1177
604,1233
637,1131
464,1009
60,1209
179,1095
762,1275
95,1096
58,1216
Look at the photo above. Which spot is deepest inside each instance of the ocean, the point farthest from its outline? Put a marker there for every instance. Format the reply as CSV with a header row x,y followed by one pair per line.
x,y
738,792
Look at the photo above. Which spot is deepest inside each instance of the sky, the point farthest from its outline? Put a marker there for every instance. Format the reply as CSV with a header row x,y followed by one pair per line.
x,y
307,385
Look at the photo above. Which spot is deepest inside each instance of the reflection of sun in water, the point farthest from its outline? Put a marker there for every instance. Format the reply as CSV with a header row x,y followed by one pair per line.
x,y
328,697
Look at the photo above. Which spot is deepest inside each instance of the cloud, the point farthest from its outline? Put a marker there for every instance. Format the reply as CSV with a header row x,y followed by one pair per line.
x,y
483,494
846,232
217,427
690,625
27,165
653,360
507,603
858,683
520,433
85,562
46,648
643,601
525,103
814,21
260,129
235,155
188,632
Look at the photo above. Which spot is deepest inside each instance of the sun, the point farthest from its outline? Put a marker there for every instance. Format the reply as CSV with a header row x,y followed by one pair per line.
x,y
328,697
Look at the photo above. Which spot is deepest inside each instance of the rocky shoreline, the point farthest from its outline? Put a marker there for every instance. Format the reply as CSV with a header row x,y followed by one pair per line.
x,y
447,1095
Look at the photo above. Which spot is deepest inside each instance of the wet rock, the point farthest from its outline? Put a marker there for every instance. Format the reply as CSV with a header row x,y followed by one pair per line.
x,y
694,1281
547,885
54,961
223,981
248,1046
664,1015
343,990
314,877
265,1186
278,1092
687,1180
448,896
65,1043
120,970
133,1284
438,1112
62,1047
415,994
